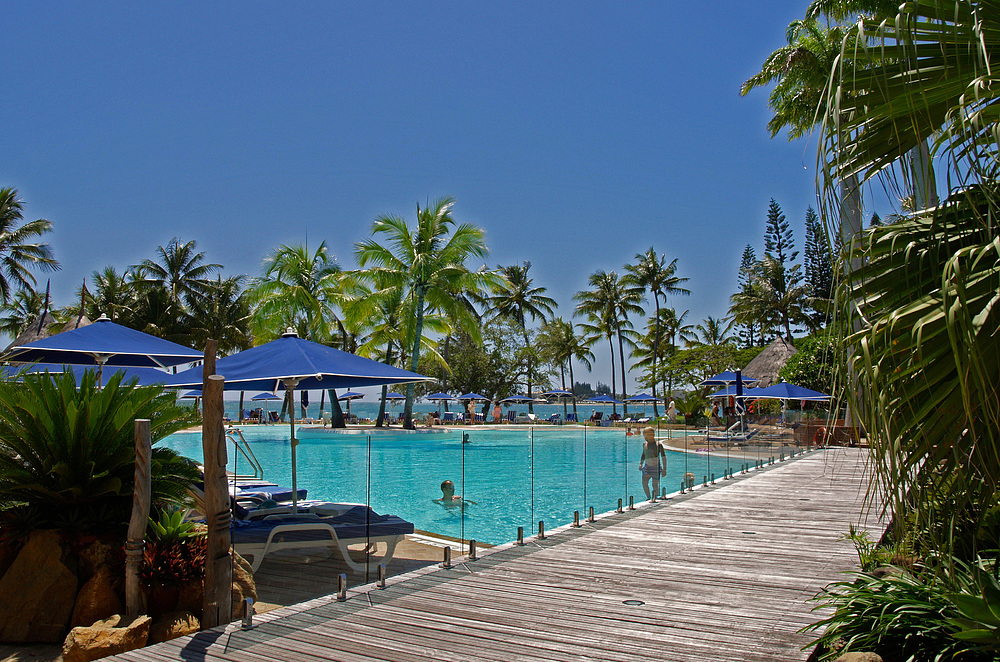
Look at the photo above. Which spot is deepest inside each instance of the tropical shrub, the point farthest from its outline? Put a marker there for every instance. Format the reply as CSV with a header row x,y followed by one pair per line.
x,y
67,454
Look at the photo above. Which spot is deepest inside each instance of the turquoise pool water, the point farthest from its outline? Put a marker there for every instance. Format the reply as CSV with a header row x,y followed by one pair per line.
x,y
516,477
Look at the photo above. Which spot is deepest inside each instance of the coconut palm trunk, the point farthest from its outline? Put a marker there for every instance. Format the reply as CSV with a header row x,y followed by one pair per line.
x,y
621,355
418,330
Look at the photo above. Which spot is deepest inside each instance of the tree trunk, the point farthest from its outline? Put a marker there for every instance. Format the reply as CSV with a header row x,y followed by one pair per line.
x,y
572,384
285,408
621,355
381,406
611,342
135,542
531,356
240,417
337,415
656,351
418,331
217,605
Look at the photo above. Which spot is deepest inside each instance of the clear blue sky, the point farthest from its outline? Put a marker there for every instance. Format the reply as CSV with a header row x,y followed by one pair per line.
x,y
576,133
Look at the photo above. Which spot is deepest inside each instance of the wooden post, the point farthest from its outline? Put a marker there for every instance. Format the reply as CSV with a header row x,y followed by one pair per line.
x,y
218,565
134,598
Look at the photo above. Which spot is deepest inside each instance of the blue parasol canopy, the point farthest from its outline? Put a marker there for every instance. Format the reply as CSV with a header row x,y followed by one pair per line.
x,y
266,396
518,399
471,396
558,393
105,343
438,396
307,364
727,377
642,398
191,395
786,391
145,376
350,395
395,396
602,400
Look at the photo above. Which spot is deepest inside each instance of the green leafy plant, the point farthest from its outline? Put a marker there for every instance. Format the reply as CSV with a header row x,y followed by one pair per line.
x,y
172,525
69,453
979,623
174,562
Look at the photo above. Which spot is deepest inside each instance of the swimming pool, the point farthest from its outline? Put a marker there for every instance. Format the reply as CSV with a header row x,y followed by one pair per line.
x,y
515,477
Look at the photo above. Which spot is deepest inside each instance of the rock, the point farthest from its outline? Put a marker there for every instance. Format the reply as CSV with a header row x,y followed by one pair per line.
x,y
173,625
8,552
192,597
97,599
108,637
859,657
37,593
97,555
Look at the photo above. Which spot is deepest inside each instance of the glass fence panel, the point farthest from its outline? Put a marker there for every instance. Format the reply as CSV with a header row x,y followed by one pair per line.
x,y
500,482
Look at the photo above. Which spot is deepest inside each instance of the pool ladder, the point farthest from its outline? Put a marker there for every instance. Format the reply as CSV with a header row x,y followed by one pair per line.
x,y
235,435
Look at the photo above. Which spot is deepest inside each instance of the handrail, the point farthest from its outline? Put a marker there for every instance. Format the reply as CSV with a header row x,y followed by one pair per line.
x,y
244,449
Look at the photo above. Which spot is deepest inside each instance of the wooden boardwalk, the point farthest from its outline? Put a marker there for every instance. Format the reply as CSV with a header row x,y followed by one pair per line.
x,y
723,574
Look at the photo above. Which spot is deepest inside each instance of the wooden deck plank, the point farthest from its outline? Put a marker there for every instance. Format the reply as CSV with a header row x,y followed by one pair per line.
x,y
725,574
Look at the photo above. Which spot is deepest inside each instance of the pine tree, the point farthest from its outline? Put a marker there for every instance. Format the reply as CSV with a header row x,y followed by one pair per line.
x,y
875,221
778,242
750,334
819,269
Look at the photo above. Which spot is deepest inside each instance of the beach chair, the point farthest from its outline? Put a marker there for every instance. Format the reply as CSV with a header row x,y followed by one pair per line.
x,y
479,418
571,418
448,417
644,419
358,525
511,416
273,416
554,419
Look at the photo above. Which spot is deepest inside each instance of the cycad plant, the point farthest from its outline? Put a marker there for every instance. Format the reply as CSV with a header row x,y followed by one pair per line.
x,y
67,454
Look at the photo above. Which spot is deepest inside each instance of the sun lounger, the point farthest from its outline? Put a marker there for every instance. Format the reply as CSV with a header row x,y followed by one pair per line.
x,y
262,490
644,419
571,418
554,419
479,418
733,438
511,416
448,417
359,525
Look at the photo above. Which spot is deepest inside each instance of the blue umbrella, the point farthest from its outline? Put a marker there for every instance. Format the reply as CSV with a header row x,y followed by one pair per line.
x,y
145,376
292,362
192,395
471,396
727,377
642,399
395,396
266,397
518,399
105,343
557,393
439,397
786,391
601,400
348,396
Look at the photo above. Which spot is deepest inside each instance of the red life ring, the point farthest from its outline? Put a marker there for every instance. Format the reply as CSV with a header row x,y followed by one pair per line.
x,y
819,437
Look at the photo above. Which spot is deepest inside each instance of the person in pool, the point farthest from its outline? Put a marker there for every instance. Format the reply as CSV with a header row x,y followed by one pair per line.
x,y
652,463
448,497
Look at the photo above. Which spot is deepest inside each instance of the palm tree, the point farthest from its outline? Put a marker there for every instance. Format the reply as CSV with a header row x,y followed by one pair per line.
x,y
714,331
25,307
16,254
923,329
515,299
223,315
428,263
113,296
299,290
776,299
561,342
652,272
607,306
180,270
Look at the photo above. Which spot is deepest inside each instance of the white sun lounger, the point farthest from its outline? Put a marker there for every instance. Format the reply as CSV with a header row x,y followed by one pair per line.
x,y
358,526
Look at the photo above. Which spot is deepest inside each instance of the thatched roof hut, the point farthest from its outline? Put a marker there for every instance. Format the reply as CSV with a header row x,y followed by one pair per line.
x,y
770,361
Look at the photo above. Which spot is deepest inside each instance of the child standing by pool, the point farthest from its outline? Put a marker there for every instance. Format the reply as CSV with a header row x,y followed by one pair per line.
x,y
652,463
